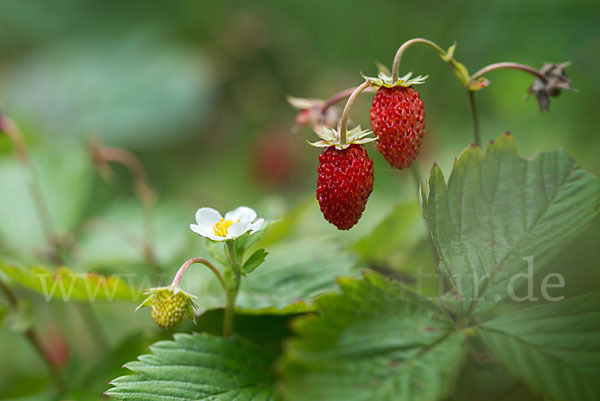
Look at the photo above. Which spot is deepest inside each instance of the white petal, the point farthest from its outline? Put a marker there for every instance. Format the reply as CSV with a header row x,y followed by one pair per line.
x,y
238,229
216,237
257,225
242,213
207,217
204,231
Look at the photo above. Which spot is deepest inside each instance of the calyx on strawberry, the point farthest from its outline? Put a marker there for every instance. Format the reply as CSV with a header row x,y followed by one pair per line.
x,y
345,176
169,305
397,118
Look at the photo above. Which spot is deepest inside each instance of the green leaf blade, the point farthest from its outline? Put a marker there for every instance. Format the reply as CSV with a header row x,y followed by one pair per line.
x,y
65,284
291,276
553,347
498,209
198,367
372,342
255,260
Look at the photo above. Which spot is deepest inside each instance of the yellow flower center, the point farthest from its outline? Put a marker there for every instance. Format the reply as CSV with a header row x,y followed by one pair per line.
x,y
221,227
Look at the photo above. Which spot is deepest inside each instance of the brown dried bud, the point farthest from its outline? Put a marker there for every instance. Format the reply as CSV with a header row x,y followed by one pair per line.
x,y
556,80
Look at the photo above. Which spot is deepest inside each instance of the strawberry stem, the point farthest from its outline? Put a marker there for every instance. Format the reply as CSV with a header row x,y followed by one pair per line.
x,y
338,97
406,45
35,342
233,287
476,135
206,263
12,131
343,123
516,66
103,155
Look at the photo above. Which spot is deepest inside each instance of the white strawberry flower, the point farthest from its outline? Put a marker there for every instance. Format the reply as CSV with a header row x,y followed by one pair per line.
x,y
236,223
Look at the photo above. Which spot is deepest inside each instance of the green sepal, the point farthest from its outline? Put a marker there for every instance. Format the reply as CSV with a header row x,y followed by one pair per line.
x,y
331,137
478,84
153,292
385,79
255,260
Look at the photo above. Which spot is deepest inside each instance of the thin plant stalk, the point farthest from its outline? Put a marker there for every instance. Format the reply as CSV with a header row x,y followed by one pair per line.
x,y
509,65
102,156
206,263
343,123
12,130
233,287
33,339
14,133
475,118
406,45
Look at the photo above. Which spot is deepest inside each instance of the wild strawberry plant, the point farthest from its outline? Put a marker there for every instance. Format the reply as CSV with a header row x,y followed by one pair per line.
x,y
375,335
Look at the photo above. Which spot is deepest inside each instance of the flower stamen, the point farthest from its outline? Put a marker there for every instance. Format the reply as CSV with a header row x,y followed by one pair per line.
x,y
221,227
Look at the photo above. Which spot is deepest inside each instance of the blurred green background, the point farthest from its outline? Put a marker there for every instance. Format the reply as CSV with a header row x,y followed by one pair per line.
x,y
197,90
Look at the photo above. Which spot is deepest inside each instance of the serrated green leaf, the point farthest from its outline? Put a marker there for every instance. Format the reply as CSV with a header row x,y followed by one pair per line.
x,y
65,284
294,273
372,342
553,347
255,260
498,209
198,367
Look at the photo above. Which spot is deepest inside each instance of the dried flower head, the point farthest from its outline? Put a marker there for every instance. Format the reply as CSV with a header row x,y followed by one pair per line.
x,y
556,80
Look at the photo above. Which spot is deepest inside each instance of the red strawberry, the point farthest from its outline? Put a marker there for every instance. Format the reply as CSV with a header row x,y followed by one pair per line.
x,y
344,184
397,121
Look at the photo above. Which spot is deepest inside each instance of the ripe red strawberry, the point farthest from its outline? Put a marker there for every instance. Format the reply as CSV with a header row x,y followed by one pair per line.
x,y
397,120
344,184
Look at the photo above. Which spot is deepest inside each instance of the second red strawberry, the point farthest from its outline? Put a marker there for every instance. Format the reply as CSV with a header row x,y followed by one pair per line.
x,y
397,119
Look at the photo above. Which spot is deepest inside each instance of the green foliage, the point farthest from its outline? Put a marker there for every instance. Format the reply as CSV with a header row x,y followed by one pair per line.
x,y
255,260
498,209
65,284
553,347
286,282
58,172
198,367
117,236
119,111
110,364
401,230
373,341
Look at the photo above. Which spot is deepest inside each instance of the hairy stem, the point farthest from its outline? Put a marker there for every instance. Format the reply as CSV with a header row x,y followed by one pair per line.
x,y
103,155
233,287
476,135
35,342
14,133
337,97
406,45
343,123
206,263
509,65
